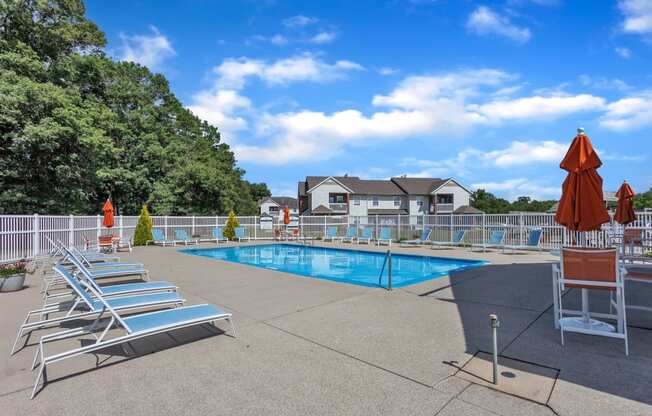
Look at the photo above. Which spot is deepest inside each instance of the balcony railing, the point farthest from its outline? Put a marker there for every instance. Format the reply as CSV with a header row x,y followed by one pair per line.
x,y
441,208
337,207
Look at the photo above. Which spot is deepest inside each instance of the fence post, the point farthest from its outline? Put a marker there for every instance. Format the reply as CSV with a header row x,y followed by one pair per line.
x,y
165,225
120,232
520,228
98,229
324,225
255,227
484,228
450,226
192,228
376,234
35,227
71,230
398,227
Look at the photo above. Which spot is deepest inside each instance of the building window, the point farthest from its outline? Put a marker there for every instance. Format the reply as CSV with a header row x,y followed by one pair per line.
x,y
336,198
374,201
397,201
273,209
356,202
419,203
444,198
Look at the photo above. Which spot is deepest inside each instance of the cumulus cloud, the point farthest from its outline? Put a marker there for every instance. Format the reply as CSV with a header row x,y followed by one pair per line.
x,y
233,72
538,107
219,108
638,16
323,37
485,21
299,21
148,50
525,153
624,53
629,113
513,188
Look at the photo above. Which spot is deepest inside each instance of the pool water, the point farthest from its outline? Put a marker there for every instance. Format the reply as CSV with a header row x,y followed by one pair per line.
x,y
356,267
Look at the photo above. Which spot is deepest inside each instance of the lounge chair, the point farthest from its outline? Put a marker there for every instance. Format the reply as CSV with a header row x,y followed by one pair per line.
x,y
367,236
331,234
73,251
533,241
586,269
218,235
496,240
85,305
456,240
351,234
422,240
135,327
94,256
158,238
385,236
241,234
181,236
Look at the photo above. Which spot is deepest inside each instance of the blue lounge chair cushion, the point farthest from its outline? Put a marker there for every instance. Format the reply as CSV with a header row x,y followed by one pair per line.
x,y
366,233
351,232
173,317
534,237
135,301
136,287
115,271
157,234
218,233
239,232
385,234
496,237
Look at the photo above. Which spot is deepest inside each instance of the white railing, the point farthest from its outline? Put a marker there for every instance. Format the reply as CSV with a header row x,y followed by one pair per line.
x,y
24,236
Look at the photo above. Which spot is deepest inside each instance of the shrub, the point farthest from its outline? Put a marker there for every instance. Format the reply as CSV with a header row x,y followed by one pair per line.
x,y
143,231
231,224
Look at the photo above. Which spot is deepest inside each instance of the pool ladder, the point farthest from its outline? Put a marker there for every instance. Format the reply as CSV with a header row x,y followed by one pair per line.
x,y
388,262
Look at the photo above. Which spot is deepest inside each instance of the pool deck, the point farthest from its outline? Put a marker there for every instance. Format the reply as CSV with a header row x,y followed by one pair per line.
x,y
315,347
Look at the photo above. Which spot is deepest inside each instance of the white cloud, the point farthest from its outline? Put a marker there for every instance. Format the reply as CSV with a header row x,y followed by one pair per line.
x,y
218,109
513,188
604,83
277,39
629,113
638,16
525,153
148,50
323,37
538,107
385,70
233,72
624,53
484,21
299,21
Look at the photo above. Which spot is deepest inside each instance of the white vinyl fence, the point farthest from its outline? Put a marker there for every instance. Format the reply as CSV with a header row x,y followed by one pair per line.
x,y
23,236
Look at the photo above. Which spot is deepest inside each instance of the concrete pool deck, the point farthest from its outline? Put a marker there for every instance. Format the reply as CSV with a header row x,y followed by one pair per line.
x,y
309,346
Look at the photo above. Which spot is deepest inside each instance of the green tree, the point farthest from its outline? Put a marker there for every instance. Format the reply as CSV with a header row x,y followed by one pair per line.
x,y
643,200
489,203
230,226
143,232
76,126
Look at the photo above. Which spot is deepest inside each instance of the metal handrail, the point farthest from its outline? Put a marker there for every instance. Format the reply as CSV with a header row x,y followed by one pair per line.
x,y
387,261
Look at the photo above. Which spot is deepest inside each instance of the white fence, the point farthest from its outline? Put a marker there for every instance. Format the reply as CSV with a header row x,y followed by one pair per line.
x,y
23,236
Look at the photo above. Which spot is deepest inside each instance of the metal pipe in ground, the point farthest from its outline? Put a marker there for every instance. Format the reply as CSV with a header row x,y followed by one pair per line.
x,y
494,334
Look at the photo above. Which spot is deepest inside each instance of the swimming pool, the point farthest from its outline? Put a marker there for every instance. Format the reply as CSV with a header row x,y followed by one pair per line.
x,y
356,267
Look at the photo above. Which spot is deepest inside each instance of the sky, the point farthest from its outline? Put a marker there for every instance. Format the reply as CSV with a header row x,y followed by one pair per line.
x,y
490,93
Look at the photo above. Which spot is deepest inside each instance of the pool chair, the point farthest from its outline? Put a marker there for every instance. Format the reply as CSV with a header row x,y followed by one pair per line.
x,y
351,234
241,234
533,242
591,269
131,328
181,236
423,239
366,236
218,235
496,240
158,238
83,304
331,234
385,236
456,240
73,251
57,254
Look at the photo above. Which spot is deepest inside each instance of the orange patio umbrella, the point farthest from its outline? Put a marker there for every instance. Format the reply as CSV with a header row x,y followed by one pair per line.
x,y
107,209
286,215
625,209
581,207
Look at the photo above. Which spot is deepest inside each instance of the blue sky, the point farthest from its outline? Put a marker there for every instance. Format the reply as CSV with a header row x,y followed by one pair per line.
x,y
490,93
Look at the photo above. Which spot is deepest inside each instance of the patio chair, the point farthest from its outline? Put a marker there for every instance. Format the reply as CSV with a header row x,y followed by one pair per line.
x,y
134,327
533,241
181,236
596,269
218,235
94,256
331,234
456,240
240,234
423,239
351,234
366,236
385,236
105,243
158,238
85,305
496,240
633,246
73,251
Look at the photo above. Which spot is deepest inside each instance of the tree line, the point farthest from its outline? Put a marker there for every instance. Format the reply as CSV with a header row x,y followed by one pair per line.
x,y
77,126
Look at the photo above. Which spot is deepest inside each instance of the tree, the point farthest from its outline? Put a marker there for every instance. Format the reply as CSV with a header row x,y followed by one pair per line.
x,y
143,232
76,126
231,224
643,200
489,203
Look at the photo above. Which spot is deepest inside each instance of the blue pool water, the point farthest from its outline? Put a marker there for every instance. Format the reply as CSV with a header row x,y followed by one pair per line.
x,y
349,266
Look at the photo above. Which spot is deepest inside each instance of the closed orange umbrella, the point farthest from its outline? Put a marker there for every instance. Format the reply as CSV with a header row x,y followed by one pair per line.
x,y
625,209
107,209
581,207
286,215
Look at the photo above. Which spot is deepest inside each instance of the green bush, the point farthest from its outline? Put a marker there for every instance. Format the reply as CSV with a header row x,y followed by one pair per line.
x,y
231,224
143,231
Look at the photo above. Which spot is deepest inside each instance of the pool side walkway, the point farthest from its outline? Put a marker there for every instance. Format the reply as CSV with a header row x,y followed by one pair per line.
x,y
315,347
